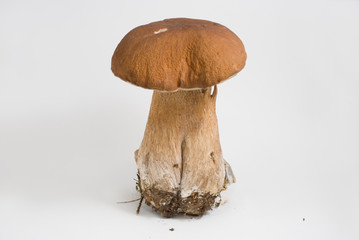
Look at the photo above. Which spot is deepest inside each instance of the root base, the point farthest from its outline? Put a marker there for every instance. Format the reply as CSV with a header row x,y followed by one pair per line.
x,y
169,204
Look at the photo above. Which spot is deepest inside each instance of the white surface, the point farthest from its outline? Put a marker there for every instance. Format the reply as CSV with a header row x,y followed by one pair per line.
x,y
289,123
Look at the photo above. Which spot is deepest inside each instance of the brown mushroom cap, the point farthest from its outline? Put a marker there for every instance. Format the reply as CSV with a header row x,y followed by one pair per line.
x,y
178,53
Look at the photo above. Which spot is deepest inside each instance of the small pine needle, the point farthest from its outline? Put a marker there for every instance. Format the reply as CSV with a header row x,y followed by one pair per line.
x,y
139,206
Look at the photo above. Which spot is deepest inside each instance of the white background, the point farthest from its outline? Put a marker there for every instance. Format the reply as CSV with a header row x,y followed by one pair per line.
x,y
289,122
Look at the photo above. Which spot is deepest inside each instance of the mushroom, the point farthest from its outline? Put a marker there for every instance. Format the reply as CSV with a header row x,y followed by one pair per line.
x,y
180,163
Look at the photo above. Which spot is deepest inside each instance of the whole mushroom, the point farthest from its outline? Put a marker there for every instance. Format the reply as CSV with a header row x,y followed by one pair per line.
x,y
180,163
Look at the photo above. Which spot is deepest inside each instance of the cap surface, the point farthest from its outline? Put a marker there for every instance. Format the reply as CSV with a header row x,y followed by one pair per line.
x,y
178,53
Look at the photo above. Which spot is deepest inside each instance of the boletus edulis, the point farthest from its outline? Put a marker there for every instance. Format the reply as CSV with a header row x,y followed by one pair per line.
x,y
180,164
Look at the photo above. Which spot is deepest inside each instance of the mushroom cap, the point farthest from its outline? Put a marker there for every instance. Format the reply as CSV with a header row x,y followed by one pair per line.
x,y
178,53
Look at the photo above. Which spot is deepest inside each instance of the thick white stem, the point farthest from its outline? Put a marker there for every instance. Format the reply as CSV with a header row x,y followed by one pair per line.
x,y
180,152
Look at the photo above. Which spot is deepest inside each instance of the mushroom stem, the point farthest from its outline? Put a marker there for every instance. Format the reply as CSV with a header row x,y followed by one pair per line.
x,y
180,159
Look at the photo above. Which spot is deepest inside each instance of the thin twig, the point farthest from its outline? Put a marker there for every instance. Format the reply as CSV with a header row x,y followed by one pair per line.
x,y
130,201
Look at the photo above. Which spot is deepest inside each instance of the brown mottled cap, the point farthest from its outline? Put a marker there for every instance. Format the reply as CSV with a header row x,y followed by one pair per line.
x,y
178,53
